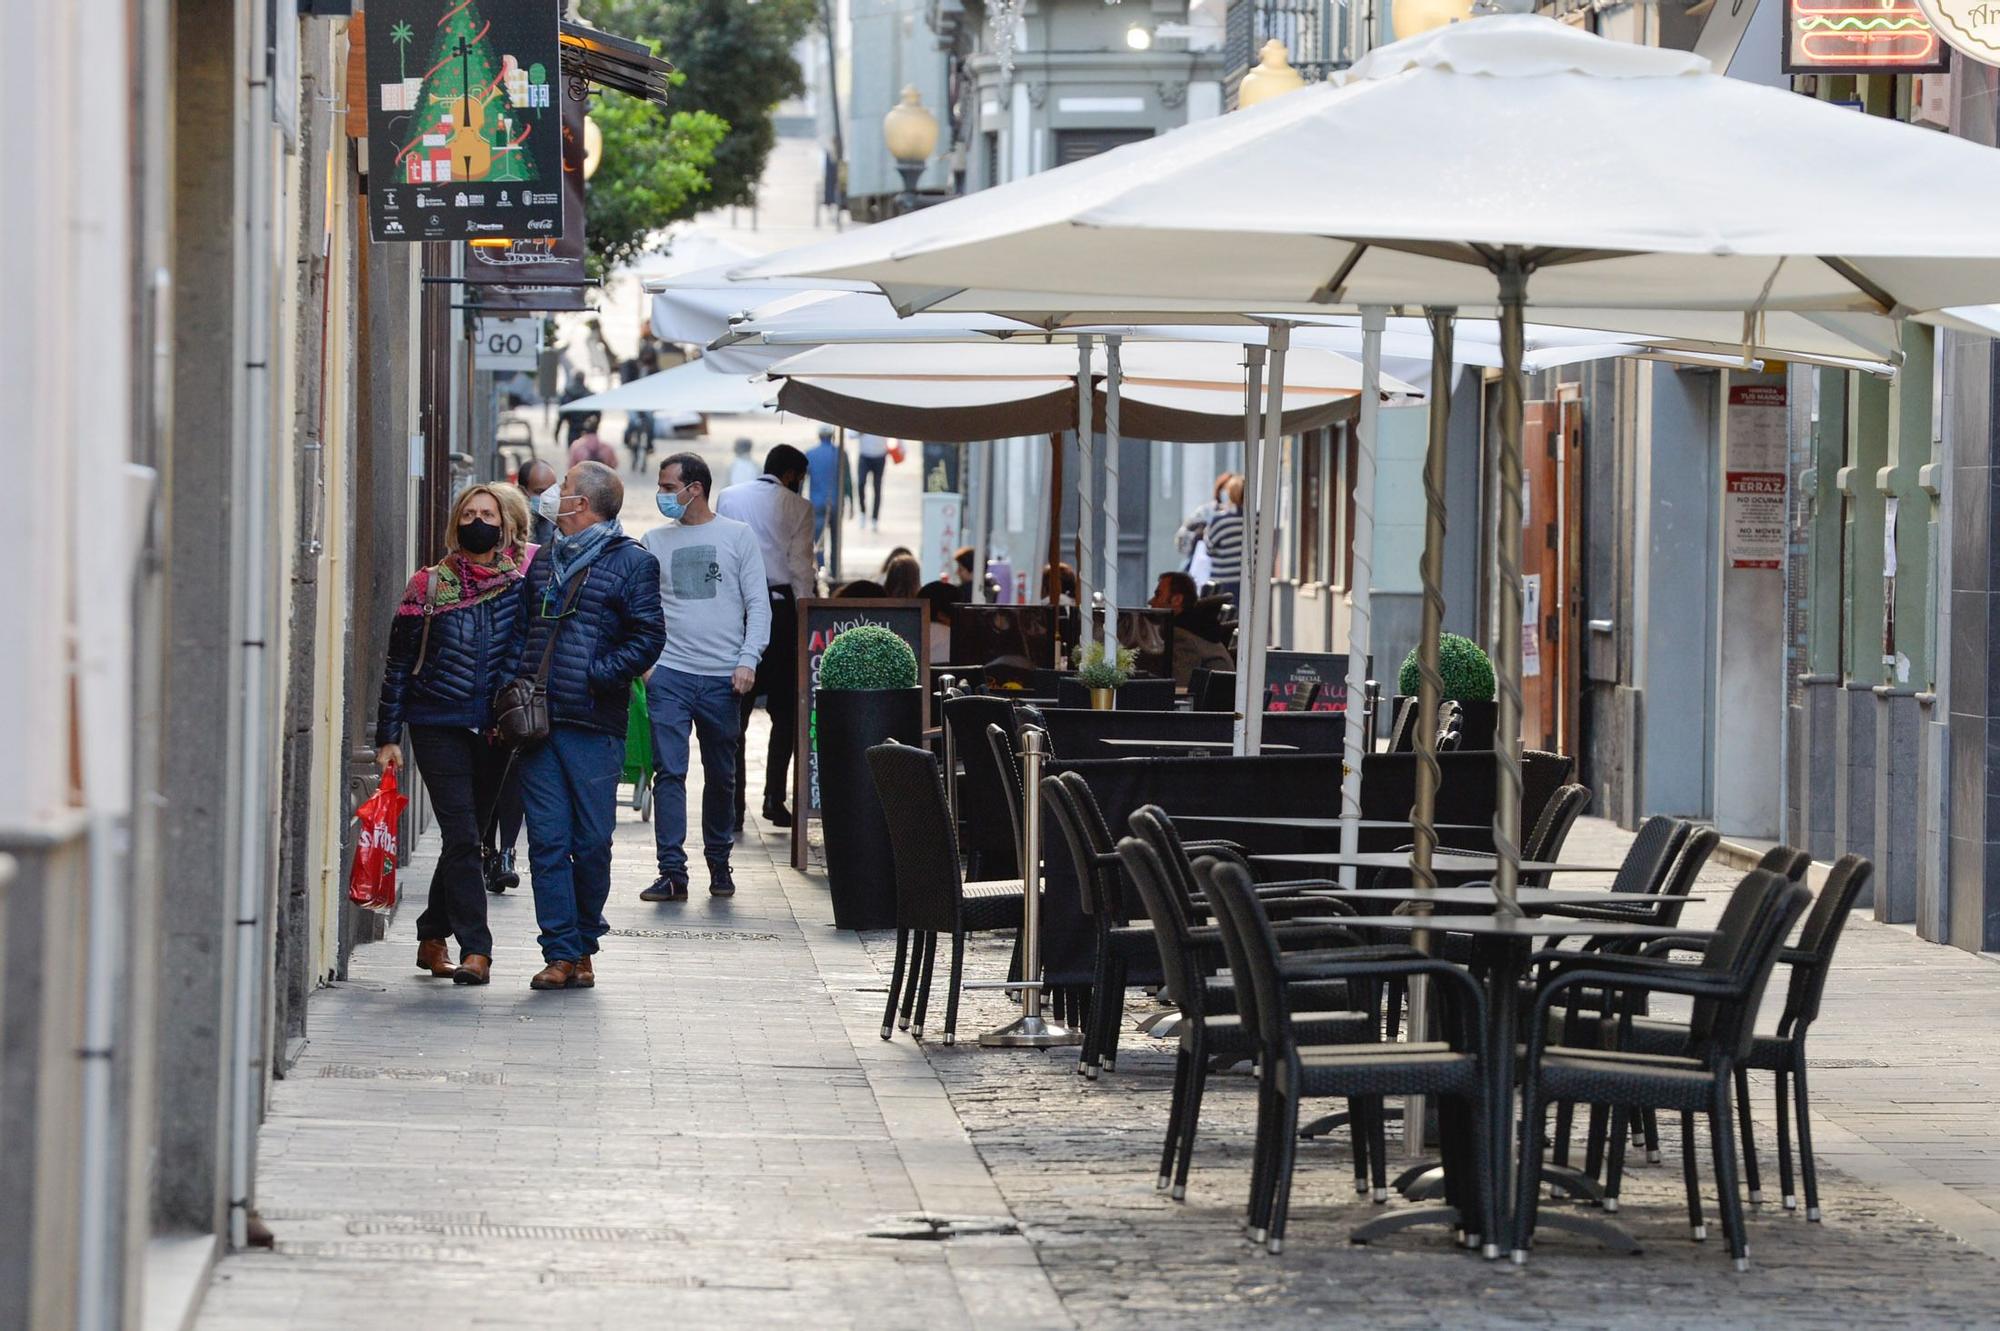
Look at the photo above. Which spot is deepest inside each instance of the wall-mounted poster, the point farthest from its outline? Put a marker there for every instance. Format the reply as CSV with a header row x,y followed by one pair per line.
x,y
1753,512
542,273
464,132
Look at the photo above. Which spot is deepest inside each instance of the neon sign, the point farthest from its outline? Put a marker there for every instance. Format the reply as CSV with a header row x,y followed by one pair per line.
x,y
1867,36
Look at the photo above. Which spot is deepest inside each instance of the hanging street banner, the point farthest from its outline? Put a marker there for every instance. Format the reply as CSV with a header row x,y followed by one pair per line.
x,y
540,274
464,136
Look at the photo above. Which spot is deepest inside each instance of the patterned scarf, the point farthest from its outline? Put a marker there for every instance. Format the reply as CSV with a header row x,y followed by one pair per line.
x,y
569,555
455,582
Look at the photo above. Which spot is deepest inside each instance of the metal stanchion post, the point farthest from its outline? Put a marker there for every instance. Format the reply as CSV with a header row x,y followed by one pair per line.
x,y
1031,1030
947,690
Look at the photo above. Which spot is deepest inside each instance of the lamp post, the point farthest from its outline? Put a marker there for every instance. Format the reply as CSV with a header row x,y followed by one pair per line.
x,y
911,133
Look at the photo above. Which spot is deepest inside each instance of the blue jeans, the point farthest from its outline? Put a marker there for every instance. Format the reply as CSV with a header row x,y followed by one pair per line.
x,y
678,701
569,791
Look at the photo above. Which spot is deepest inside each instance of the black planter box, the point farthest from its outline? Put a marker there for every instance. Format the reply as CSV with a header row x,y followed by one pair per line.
x,y
860,869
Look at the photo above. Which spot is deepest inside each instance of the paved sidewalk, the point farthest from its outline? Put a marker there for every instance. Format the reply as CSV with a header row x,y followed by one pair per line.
x,y
706,1139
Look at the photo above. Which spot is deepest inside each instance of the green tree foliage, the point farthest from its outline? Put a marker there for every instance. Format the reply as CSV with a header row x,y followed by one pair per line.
x,y
735,57
654,169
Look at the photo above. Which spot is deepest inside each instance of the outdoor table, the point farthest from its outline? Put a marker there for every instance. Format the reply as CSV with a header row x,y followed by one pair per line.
x,y
1531,899
1502,944
1442,861
1323,824
1193,746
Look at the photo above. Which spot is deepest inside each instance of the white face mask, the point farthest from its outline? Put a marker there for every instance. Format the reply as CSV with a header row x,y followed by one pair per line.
x,y
549,502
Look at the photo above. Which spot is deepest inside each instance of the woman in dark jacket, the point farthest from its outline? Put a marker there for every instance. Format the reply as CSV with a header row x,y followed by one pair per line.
x,y
452,646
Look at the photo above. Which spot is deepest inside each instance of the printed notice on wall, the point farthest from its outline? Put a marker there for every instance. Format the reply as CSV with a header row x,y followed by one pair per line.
x,y
1753,513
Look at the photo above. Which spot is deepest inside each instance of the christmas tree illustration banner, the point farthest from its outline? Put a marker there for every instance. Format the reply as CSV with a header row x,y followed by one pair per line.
x,y
464,134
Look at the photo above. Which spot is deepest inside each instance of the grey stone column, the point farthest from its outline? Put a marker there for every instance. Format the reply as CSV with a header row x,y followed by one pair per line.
x,y
1898,836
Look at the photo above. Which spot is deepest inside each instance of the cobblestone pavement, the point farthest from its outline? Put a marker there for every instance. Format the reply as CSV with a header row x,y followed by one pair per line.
x,y
709,1137
1076,1162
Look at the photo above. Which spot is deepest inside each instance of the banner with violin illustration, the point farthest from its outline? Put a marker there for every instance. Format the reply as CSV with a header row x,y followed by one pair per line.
x,y
464,120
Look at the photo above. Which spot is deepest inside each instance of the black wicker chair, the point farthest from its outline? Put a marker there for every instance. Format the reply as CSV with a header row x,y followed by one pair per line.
x,y
1782,1053
932,898
1212,1029
1726,987
991,852
1297,1064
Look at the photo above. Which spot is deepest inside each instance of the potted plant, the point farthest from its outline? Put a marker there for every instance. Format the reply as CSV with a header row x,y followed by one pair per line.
x,y
1468,681
868,693
1105,674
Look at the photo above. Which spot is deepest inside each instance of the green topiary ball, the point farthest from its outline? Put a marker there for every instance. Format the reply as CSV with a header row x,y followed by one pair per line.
x,y
868,656
1468,675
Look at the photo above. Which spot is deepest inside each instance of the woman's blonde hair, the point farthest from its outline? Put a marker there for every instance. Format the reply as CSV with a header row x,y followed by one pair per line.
x,y
514,511
1236,491
511,527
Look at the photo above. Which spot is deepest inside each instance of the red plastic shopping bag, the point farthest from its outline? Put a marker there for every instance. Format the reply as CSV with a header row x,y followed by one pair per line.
x,y
372,880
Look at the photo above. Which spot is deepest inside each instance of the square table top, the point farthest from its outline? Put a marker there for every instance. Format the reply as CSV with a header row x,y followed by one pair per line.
x,y
1481,895
1324,823
1191,745
1442,861
1505,926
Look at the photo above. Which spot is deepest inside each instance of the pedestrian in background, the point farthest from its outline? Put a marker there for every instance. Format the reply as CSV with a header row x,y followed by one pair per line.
x,y
1224,542
742,467
718,616
590,448
832,487
782,520
591,602
544,490
873,451
941,602
451,647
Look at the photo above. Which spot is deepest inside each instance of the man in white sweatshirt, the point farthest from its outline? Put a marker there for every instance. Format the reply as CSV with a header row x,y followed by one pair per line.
x,y
718,621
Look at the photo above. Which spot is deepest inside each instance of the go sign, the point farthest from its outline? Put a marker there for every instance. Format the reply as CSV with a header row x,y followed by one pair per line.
x,y
509,344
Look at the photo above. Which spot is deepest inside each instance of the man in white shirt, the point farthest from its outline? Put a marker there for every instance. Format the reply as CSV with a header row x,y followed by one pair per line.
x,y
742,467
718,619
873,450
782,519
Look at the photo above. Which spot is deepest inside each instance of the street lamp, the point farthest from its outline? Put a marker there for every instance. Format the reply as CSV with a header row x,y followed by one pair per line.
x,y
911,133
1273,77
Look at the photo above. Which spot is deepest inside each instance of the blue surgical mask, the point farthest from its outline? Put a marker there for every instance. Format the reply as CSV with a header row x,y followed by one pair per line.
x,y
671,505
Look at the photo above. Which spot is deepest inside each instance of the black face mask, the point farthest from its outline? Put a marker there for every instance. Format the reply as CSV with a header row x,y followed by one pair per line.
x,y
476,537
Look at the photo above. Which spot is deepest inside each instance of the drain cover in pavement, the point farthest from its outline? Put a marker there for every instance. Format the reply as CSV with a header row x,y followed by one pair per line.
x,y
702,935
359,1072
937,1228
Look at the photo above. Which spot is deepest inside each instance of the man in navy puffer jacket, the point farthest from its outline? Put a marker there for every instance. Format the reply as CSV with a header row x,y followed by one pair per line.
x,y
569,786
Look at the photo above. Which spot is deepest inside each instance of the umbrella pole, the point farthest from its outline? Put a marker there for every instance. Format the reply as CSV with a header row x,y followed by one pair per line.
x,y
1255,634
1360,620
1085,490
982,501
1513,275
1108,497
1052,592
1253,401
1430,685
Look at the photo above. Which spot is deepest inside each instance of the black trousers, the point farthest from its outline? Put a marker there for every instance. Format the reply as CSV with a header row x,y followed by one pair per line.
x,y
461,770
778,681
870,467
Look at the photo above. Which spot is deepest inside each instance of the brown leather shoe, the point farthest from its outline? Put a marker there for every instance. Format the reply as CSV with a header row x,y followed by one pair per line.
x,y
474,969
586,975
555,975
434,955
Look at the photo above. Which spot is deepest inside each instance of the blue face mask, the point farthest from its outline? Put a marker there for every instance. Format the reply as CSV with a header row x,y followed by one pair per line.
x,y
671,506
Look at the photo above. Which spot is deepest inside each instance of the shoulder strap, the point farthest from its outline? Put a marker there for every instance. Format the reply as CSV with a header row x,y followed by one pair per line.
x,y
549,647
423,647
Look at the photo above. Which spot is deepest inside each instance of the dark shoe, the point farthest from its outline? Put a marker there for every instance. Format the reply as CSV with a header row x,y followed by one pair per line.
x,y
507,877
776,814
473,969
666,888
555,975
586,975
720,884
434,955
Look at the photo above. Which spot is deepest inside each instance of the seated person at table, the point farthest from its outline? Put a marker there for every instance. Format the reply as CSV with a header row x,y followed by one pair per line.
x,y
1192,649
1009,674
941,601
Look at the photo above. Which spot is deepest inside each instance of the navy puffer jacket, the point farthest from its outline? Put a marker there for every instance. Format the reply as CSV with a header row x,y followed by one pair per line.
x,y
612,636
471,653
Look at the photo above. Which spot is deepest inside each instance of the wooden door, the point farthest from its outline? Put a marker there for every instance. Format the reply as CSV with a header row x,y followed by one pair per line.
x,y
1541,542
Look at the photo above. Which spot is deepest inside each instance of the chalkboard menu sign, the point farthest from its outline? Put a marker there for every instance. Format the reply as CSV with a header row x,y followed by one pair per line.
x,y
1290,676
820,622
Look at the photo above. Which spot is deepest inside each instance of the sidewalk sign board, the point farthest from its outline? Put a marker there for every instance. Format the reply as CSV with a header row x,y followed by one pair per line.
x,y
1288,675
820,622
508,345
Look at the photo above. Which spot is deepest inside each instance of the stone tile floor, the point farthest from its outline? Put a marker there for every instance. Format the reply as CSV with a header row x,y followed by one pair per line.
x,y
708,1138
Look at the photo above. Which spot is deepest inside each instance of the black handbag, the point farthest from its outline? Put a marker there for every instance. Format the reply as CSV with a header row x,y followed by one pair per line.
x,y
521,708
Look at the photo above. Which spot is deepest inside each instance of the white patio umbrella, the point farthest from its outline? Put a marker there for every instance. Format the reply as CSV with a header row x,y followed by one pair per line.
x,y
1417,179
691,387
